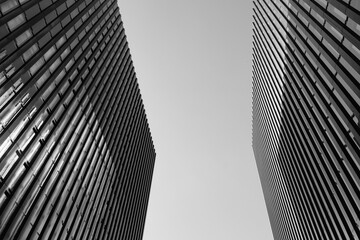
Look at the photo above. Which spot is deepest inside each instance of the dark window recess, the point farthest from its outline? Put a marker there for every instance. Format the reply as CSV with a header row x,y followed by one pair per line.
x,y
38,26
44,40
31,12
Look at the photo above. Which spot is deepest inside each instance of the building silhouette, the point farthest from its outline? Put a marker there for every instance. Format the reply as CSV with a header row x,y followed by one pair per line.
x,y
306,111
76,153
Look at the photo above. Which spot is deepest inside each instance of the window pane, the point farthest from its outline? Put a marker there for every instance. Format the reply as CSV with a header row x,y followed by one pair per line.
x,y
17,21
43,78
23,37
49,53
37,66
30,52
8,6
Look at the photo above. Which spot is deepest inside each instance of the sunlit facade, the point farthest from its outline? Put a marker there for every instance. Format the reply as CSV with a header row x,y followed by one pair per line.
x,y
306,111
76,153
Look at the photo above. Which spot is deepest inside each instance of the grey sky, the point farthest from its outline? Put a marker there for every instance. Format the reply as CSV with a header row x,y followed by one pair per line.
x,y
193,62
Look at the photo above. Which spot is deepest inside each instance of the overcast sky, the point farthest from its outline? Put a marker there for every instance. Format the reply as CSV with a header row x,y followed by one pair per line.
x,y
193,63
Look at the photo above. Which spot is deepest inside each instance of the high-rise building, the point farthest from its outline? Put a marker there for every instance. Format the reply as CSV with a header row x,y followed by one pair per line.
x,y
76,153
306,111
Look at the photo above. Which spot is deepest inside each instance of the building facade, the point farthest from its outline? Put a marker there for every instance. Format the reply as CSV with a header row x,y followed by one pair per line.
x,y
76,153
306,111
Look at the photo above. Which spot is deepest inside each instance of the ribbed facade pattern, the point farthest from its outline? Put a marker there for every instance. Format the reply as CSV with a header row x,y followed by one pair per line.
x,y
306,111
76,153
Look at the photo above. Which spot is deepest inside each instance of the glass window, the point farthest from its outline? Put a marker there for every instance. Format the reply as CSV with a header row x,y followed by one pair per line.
x,y
30,52
44,4
32,112
15,133
48,92
313,63
37,66
73,75
348,67
330,48
49,53
54,102
60,42
54,66
356,120
352,48
315,48
23,37
51,16
69,65
348,88
70,2
355,4
2,77
10,70
343,103
306,22
44,40
65,53
61,8
323,3
25,99
6,96
327,63
8,6
353,26
4,146
10,113
39,122
16,21
74,44
37,27
18,85
337,13
2,54
70,32
305,5
319,18
32,12
333,31
59,77
43,79
64,87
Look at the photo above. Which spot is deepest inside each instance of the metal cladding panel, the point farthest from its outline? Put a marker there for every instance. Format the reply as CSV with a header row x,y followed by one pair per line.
x,y
306,103
76,153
